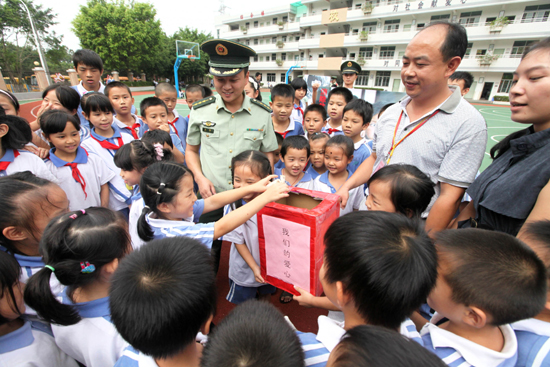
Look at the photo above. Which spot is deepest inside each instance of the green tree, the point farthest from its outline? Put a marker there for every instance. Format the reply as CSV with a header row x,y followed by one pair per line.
x,y
125,34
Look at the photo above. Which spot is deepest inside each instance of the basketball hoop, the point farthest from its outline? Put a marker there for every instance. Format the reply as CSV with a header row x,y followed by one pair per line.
x,y
191,57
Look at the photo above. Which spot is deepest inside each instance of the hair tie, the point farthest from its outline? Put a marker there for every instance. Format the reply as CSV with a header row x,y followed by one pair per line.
x,y
162,185
50,267
86,267
159,151
75,215
146,207
254,82
7,94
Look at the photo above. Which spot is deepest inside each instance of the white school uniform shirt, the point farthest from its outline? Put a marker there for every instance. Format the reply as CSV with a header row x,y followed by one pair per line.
x,y
306,182
533,342
94,340
134,358
455,350
296,114
135,213
94,173
356,195
119,197
127,129
21,160
30,346
317,348
294,128
202,232
331,131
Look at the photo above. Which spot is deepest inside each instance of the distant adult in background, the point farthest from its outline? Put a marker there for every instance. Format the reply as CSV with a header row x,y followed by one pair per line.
x,y
258,77
433,128
463,80
334,82
350,70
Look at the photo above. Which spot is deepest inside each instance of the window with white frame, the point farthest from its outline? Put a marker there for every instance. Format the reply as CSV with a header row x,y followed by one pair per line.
x,y
519,48
256,58
387,52
391,26
435,18
283,77
382,79
255,41
369,27
256,24
271,77
536,13
283,56
505,83
480,53
363,78
365,53
470,19
468,50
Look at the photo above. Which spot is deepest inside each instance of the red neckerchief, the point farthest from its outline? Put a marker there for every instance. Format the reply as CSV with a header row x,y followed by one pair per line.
x,y
283,134
332,131
105,144
302,111
4,165
78,176
133,130
173,124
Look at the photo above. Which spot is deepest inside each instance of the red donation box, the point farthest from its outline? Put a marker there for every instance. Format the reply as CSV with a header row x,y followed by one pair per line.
x,y
291,234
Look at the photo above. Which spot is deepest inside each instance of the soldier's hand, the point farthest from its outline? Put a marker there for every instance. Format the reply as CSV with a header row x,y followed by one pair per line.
x,y
206,188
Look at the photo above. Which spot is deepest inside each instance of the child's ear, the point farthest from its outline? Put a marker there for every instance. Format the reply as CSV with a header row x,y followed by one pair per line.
x,y
3,130
164,208
205,328
133,101
108,269
14,233
271,104
350,158
474,317
342,297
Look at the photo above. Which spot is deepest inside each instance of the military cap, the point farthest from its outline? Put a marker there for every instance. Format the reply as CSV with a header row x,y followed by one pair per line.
x,y
227,58
349,67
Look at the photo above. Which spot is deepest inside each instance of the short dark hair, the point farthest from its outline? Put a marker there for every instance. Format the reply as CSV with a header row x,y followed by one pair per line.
x,y
537,236
151,102
298,83
283,91
10,271
138,155
258,73
207,91
253,334
343,142
340,91
165,87
67,96
318,136
116,84
384,108
85,97
456,40
88,58
19,132
193,88
493,271
368,345
97,102
411,189
12,98
296,142
316,108
362,108
170,280
465,76
386,262
55,121
158,136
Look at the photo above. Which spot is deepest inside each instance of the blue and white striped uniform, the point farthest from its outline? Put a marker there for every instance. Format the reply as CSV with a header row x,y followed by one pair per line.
x,y
356,195
533,342
134,358
25,161
362,151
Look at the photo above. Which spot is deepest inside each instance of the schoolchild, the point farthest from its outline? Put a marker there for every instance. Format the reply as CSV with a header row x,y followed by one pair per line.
x,y
282,102
172,282
279,164
337,99
317,143
122,100
300,91
167,93
486,280
252,89
82,249
171,205
105,139
193,93
22,342
9,103
357,116
295,156
89,68
315,117
82,175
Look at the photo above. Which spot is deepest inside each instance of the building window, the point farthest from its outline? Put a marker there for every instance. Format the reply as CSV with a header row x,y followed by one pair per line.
x,y
498,52
267,24
536,13
393,2
285,19
267,41
261,42
406,28
256,24
468,50
391,26
267,58
505,83
261,24
489,20
469,19
284,38
357,6
355,32
297,38
420,26
387,52
362,78
256,58
234,27
274,40
365,53
274,20
283,79
519,48
255,41
247,25
247,42
270,77
370,27
283,56
480,53
323,33
382,79
273,56
352,56
320,56
440,17
261,58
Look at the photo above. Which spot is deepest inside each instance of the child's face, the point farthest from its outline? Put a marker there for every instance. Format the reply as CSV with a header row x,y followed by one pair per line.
x,y
7,105
295,161
277,154
249,90
50,102
336,160
242,177
155,117
121,100
89,75
7,308
170,99
335,106
192,97
131,178
313,122
300,93
66,141
317,149
379,197
102,120
352,125
181,206
440,298
282,108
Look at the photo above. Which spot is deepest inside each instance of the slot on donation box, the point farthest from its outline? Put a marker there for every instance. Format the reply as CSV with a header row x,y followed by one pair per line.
x,y
291,233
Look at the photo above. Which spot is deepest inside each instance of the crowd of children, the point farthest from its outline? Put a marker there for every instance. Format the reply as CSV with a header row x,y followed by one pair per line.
x,y
103,263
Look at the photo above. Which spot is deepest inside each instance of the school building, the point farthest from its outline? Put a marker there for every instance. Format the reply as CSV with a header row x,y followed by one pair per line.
x,y
316,36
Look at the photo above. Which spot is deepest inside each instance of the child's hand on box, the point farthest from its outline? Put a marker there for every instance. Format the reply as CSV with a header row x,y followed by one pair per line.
x,y
305,298
263,184
275,191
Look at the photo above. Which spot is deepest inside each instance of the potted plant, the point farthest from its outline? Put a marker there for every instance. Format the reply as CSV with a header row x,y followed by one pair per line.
x,y
498,24
367,7
364,36
244,29
279,62
281,25
487,59
361,61
280,44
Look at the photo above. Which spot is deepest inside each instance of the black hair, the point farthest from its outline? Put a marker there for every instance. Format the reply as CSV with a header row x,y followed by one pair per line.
x,y
343,142
138,155
316,108
360,107
384,108
70,242
171,281
97,103
151,102
544,44
318,136
537,236
19,132
464,76
157,136
253,334
160,183
67,96
9,276
255,86
297,142
493,271
456,40
411,189
2,111
87,58
116,84
207,91
283,91
12,98
165,88
298,83
386,262
258,73
258,163
340,91
368,345
280,139
193,88
55,121
85,97
18,193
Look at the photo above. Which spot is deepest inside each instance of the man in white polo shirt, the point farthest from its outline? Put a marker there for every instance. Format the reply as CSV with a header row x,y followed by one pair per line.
x,y
433,128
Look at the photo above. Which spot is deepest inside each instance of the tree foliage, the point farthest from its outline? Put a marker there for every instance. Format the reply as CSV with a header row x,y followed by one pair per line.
x,y
189,70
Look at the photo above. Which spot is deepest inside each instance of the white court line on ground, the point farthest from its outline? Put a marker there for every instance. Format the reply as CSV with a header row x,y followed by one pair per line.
x,y
495,140
34,108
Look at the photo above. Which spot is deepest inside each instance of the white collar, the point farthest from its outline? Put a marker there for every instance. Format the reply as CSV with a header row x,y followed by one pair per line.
x,y
82,91
121,124
473,353
535,326
330,332
165,223
176,114
290,125
359,143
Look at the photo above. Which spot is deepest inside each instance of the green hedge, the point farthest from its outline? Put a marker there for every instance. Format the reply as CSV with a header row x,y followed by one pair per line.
x,y
138,84
502,99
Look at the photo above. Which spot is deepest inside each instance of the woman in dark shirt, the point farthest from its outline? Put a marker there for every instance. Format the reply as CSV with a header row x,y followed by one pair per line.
x,y
515,188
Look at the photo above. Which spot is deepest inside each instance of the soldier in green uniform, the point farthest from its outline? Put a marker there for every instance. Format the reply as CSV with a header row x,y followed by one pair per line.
x,y
350,70
226,124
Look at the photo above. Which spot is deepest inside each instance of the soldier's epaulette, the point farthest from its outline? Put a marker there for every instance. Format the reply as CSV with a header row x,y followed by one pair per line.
x,y
261,104
203,102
